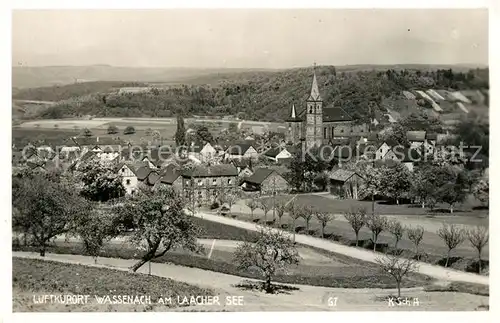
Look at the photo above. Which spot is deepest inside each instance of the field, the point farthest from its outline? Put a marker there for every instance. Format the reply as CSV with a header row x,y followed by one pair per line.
x,y
37,277
64,128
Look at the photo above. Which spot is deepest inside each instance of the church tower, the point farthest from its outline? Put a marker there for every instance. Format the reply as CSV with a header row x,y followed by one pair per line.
x,y
314,115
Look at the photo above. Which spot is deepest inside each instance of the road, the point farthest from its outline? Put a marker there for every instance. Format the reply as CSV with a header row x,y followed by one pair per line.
x,y
306,298
436,272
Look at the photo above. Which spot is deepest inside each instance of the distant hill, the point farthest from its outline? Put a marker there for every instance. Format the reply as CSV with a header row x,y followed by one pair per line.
x,y
253,95
41,76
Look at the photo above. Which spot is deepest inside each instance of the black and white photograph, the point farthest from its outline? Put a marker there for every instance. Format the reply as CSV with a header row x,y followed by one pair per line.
x,y
249,160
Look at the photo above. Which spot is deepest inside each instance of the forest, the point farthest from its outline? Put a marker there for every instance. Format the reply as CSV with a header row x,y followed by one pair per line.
x,y
253,96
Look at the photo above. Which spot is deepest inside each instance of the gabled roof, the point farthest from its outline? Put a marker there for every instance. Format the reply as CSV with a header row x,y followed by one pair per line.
x,y
239,149
143,172
341,175
242,163
273,152
259,175
431,136
335,114
170,175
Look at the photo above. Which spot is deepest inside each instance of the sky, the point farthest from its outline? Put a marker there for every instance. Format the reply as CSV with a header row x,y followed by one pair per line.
x,y
249,38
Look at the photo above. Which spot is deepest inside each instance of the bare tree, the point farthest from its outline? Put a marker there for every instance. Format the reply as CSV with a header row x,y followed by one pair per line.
x,y
274,251
452,236
376,223
266,206
357,220
415,235
252,205
307,215
230,197
397,230
323,219
295,211
280,210
397,267
478,237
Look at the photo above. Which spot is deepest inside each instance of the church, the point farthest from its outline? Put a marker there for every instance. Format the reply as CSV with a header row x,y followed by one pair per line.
x,y
316,125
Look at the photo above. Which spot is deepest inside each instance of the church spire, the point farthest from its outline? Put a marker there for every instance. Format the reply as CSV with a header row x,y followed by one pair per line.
x,y
293,116
314,96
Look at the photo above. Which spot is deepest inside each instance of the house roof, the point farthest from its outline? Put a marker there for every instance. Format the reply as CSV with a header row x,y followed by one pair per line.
x,y
242,163
211,171
273,152
142,172
415,135
259,175
335,114
239,149
431,136
170,175
341,174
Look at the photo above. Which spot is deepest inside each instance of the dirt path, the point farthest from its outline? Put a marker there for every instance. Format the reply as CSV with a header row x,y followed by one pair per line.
x,y
437,272
306,298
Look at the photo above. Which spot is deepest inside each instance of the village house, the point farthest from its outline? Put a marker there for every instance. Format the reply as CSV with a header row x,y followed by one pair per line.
x,y
266,181
278,154
345,183
241,150
171,177
244,167
204,152
207,182
408,156
129,173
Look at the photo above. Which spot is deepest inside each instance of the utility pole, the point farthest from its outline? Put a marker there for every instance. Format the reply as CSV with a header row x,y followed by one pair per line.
x,y
274,198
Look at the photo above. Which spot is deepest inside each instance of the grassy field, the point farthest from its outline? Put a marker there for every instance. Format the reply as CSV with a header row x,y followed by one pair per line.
x,y
37,277
464,257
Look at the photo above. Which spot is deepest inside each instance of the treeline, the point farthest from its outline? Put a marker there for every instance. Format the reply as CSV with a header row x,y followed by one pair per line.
x,y
269,96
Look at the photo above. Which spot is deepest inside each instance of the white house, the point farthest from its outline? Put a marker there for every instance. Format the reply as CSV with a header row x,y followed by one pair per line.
x,y
383,149
203,152
129,177
275,154
243,150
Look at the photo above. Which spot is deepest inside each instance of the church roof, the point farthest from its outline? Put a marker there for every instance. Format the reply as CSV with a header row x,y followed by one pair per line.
x,y
314,96
335,114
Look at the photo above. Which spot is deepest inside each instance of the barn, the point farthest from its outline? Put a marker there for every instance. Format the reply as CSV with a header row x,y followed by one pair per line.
x,y
345,183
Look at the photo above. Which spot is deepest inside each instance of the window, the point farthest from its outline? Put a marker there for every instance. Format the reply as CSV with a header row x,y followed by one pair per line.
x,y
128,182
123,170
229,181
214,181
342,130
332,133
200,182
310,110
324,133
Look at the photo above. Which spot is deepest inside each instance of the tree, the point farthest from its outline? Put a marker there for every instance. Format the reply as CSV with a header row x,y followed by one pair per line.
x,y
481,191
273,252
357,220
421,121
156,135
397,230
422,187
129,130
265,205
376,223
100,180
160,223
112,129
295,211
395,181
95,229
451,193
397,134
148,132
87,132
47,208
203,135
478,237
232,127
371,184
307,215
452,236
180,134
415,235
321,181
280,210
252,205
397,267
323,219
230,198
